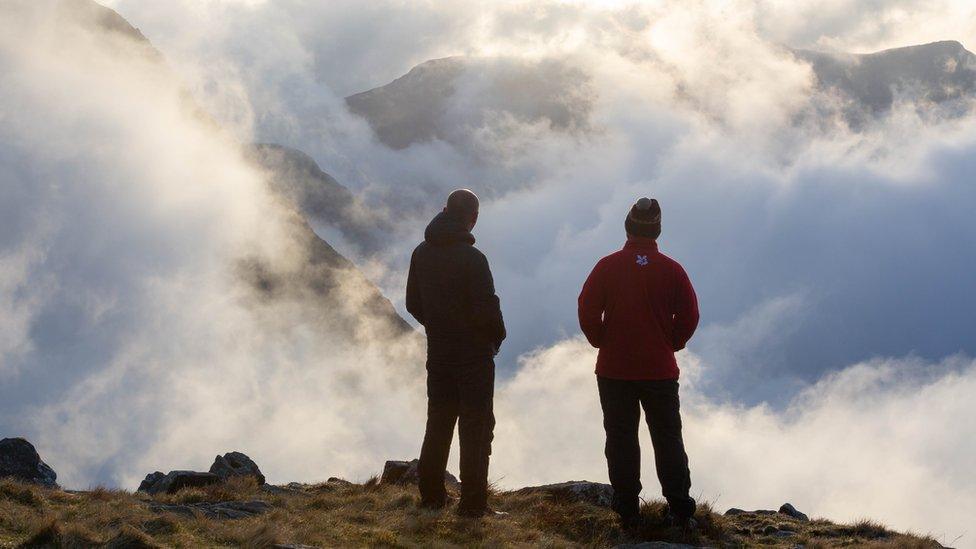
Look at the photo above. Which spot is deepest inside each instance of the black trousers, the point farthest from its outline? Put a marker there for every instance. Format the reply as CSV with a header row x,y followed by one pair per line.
x,y
621,401
461,394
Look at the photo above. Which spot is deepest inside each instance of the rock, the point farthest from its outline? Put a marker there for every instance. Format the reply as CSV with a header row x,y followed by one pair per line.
x,y
19,460
594,493
150,480
236,464
405,472
221,510
339,481
791,511
736,511
175,481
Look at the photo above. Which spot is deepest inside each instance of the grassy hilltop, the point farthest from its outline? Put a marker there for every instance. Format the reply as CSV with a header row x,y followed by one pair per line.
x,y
341,514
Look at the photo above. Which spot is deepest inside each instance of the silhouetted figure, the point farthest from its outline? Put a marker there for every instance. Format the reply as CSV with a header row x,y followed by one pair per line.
x,y
638,307
450,291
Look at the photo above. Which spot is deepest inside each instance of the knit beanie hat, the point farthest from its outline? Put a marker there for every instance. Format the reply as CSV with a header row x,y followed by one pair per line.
x,y
644,219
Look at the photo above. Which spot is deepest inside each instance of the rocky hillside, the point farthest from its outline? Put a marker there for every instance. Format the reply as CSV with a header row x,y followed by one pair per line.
x,y
938,72
447,99
939,78
231,505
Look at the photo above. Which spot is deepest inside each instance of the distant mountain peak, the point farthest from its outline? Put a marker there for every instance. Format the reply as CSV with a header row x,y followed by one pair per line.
x,y
937,73
447,98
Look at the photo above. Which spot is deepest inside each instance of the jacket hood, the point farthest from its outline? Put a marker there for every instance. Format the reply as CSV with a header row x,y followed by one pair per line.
x,y
446,229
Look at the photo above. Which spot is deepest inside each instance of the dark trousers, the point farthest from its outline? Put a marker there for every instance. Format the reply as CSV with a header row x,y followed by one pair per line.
x,y
463,394
621,401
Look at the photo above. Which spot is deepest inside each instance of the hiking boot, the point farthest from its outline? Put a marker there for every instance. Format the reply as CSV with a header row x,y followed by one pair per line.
x,y
688,525
436,505
631,524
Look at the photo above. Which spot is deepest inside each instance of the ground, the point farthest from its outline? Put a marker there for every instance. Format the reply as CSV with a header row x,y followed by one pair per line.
x,y
339,514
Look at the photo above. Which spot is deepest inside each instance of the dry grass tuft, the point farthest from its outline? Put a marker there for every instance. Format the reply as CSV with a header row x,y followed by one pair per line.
x,y
264,535
52,534
234,489
22,494
130,538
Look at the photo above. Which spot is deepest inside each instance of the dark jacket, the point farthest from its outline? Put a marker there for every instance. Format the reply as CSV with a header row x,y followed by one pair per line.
x,y
638,307
450,291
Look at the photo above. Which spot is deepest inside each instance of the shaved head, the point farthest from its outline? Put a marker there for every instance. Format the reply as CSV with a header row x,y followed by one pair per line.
x,y
462,203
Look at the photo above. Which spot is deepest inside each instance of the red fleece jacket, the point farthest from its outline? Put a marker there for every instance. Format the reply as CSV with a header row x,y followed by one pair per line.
x,y
638,307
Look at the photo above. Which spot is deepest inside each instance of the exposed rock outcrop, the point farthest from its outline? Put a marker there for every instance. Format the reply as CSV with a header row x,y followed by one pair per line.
x,y
236,464
406,472
575,490
174,481
788,509
20,460
785,509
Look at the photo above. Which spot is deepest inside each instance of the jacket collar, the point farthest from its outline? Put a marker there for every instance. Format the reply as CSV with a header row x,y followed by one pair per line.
x,y
641,243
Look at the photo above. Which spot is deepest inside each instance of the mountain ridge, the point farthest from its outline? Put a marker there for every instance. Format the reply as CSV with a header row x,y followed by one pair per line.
x,y
419,106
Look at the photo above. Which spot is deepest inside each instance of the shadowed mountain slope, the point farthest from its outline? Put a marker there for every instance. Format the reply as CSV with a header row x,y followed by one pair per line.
x,y
938,72
317,276
448,99
296,176
936,80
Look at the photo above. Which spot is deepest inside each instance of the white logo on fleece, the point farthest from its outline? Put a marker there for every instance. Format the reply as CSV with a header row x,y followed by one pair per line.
x,y
642,260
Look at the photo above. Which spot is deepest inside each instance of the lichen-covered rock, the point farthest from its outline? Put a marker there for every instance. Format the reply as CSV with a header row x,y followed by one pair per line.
x,y
174,481
236,464
19,460
576,490
406,472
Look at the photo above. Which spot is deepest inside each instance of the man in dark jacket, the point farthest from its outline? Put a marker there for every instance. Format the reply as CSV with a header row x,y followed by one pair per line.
x,y
450,291
638,307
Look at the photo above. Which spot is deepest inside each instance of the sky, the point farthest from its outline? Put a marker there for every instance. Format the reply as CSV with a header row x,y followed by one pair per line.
x,y
833,265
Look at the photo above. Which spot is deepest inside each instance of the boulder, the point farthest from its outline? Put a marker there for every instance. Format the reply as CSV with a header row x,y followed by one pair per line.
x,y
736,511
236,464
174,481
150,480
19,460
788,510
405,472
594,493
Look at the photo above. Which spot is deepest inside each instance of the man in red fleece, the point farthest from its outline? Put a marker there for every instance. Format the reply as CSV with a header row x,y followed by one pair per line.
x,y
638,307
